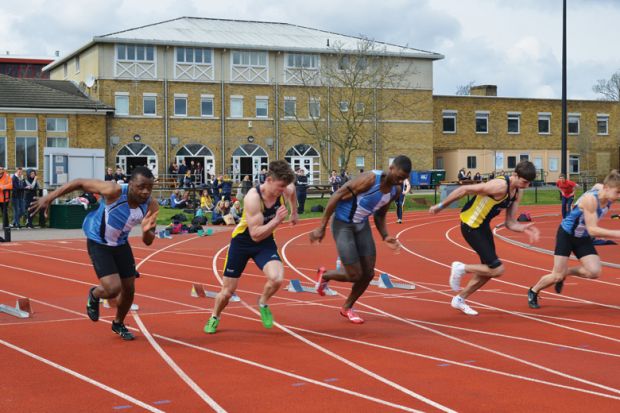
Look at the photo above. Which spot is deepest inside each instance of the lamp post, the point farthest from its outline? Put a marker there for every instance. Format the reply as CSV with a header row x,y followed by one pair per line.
x,y
564,148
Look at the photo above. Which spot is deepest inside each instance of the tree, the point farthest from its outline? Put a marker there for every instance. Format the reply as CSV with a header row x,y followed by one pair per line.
x,y
464,90
610,89
346,97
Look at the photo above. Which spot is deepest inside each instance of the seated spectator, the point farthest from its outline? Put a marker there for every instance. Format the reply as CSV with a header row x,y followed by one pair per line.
x,y
461,175
217,218
120,177
468,176
188,180
206,202
109,175
492,175
176,200
236,211
478,177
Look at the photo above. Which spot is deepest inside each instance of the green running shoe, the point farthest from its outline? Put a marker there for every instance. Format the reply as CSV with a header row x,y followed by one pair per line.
x,y
211,325
266,316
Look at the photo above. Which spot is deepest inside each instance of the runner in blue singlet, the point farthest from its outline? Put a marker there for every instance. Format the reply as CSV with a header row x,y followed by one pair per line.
x,y
121,208
369,194
575,235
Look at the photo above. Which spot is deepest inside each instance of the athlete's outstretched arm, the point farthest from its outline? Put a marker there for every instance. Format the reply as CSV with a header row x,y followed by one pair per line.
x,y
380,217
514,225
255,218
495,188
358,185
290,195
110,190
588,205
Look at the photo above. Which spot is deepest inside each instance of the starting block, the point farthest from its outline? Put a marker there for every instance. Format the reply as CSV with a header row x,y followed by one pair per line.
x,y
199,291
295,286
385,282
22,308
111,302
163,234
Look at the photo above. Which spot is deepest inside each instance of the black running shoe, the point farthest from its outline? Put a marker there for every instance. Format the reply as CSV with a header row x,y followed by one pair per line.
x,y
558,286
121,330
532,299
92,305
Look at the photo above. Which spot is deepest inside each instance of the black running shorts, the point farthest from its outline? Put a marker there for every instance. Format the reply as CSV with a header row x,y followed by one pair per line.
x,y
566,243
109,260
481,240
242,248
353,241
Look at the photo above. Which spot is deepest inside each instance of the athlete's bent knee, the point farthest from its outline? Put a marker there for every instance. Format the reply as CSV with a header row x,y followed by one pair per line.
x,y
592,274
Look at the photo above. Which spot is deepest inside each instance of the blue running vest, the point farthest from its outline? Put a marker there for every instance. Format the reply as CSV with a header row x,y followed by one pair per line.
x,y
574,223
357,209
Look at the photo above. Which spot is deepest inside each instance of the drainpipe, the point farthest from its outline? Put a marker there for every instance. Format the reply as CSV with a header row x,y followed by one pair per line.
x,y
166,138
223,114
277,116
374,104
329,121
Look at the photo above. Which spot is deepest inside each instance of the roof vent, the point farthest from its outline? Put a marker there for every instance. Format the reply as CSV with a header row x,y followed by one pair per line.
x,y
327,42
57,53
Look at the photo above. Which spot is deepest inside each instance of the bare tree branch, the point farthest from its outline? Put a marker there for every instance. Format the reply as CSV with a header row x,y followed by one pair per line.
x,y
610,89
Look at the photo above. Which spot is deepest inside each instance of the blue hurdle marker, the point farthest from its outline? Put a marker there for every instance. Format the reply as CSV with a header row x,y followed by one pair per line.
x,y
295,286
385,282
199,291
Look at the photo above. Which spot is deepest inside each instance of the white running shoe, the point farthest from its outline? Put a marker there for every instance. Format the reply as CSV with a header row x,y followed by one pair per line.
x,y
456,273
459,304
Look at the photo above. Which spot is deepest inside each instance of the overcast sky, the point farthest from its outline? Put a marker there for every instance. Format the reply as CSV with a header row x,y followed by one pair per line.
x,y
516,45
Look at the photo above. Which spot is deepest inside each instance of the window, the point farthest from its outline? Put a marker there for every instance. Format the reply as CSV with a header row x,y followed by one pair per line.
x,y
524,157
55,142
512,162
449,121
573,164
359,161
149,104
314,108
26,152
290,107
135,53
2,123
3,151
196,55
471,162
236,106
514,122
343,63
25,124
246,58
121,103
573,124
544,123
206,105
56,124
77,64
344,106
262,105
439,162
361,63
482,122
302,61
553,164
360,107
180,105
602,124
538,164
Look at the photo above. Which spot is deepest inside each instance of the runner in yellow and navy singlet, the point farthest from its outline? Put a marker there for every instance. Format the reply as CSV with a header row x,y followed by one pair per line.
x,y
488,199
263,211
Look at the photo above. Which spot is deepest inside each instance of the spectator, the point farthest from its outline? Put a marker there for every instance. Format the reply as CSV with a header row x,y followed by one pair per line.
x,y
206,202
301,187
6,184
199,174
567,193
344,177
32,186
492,175
262,176
236,211
17,198
461,175
181,172
176,200
119,176
192,167
109,175
226,188
335,181
478,177
217,218
217,188
468,176
188,180
246,185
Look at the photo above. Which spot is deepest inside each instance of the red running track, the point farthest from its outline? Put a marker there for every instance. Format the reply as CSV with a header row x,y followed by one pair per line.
x,y
414,353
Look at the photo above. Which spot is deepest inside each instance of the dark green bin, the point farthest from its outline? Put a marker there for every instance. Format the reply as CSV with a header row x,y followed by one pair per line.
x,y
68,216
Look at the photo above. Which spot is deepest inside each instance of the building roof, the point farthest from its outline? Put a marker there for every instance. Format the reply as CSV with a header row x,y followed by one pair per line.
x,y
10,58
45,94
244,34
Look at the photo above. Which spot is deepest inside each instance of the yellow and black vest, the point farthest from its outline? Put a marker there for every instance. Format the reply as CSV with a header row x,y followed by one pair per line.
x,y
268,214
482,208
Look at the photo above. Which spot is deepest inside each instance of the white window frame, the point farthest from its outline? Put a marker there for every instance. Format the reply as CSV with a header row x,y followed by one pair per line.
x,y
236,98
359,164
36,164
203,99
206,51
289,100
245,70
47,140
149,96
554,164
544,116
263,100
26,124
122,95
602,117
303,58
55,123
448,114
512,116
180,97
77,64
573,116
482,115
571,159
136,47
317,102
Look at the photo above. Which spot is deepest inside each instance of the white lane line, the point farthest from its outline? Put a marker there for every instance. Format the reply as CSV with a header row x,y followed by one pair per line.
x,y
336,356
82,377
